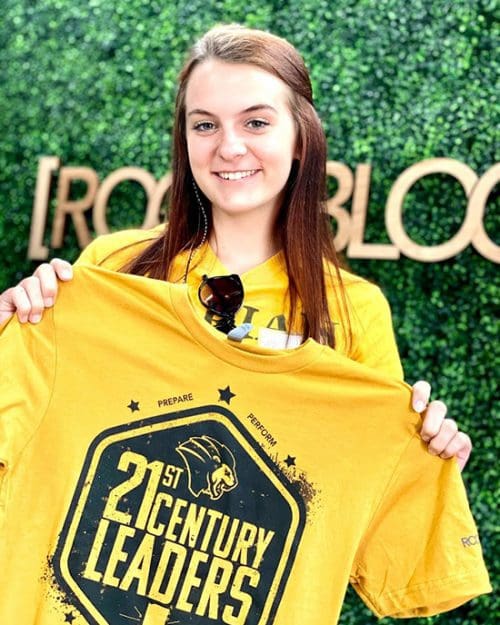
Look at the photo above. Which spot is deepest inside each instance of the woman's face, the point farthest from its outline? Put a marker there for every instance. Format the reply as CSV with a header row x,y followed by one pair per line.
x,y
241,137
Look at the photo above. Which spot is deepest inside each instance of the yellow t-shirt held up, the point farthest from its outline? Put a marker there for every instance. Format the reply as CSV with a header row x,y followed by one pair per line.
x,y
156,472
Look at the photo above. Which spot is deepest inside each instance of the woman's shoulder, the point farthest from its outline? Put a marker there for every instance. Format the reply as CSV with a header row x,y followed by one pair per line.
x,y
365,300
372,334
114,250
360,291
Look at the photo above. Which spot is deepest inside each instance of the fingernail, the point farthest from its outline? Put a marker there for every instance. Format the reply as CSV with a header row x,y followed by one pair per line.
x,y
66,274
48,301
419,406
426,438
35,318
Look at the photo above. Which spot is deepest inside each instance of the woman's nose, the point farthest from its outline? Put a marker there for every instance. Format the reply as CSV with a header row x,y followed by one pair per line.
x,y
231,145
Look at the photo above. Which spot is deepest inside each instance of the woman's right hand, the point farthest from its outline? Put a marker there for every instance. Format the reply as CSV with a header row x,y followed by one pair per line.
x,y
32,295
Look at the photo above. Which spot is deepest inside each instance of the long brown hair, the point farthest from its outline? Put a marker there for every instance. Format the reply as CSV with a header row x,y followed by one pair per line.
x,y
302,228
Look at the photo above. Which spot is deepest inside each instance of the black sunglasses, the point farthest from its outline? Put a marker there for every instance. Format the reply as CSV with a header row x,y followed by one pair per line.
x,y
223,297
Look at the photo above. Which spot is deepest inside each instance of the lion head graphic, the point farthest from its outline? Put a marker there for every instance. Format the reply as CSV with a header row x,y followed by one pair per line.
x,y
210,465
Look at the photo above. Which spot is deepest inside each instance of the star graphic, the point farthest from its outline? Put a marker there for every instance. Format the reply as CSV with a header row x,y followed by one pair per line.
x,y
69,617
290,461
134,405
225,394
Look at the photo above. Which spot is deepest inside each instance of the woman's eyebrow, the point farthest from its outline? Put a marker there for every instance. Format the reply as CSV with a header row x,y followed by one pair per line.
x,y
258,107
200,112
250,109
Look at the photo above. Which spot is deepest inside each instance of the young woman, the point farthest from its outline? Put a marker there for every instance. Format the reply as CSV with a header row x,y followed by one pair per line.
x,y
248,197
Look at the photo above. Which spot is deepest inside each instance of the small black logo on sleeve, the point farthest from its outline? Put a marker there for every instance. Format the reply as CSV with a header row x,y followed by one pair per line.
x,y
470,541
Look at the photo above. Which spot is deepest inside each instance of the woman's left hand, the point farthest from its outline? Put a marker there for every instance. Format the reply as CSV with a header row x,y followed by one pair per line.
x,y
442,435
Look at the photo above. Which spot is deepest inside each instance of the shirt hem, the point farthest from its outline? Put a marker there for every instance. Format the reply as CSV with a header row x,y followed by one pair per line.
x,y
445,594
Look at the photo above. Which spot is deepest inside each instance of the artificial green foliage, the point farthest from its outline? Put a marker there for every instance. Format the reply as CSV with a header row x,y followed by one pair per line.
x,y
395,83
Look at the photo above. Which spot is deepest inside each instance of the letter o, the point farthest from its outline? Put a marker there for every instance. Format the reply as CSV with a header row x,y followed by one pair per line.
x,y
143,177
152,218
483,244
394,210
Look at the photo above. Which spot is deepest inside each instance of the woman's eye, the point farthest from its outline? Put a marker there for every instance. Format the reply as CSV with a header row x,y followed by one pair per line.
x,y
204,126
258,123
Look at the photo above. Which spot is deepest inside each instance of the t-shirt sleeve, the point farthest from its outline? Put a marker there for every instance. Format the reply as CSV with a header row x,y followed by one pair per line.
x,y
374,342
27,372
421,554
114,251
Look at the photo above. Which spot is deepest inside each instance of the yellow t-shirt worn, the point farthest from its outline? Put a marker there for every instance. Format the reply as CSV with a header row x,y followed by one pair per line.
x,y
157,471
265,303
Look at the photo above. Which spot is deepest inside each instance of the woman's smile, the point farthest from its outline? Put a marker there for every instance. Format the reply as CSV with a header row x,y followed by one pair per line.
x,y
241,138
236,175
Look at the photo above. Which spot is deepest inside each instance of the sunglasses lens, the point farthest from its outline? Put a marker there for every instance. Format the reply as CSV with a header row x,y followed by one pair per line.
x,y
222,295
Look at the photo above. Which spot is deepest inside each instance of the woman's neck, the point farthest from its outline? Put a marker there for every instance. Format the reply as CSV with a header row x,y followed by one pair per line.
x,y
241,246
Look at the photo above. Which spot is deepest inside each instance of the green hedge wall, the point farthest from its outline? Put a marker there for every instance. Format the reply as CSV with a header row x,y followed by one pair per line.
x,y
395,83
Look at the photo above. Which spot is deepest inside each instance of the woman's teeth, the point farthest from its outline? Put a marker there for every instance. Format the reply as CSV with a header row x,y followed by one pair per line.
x,y
235,175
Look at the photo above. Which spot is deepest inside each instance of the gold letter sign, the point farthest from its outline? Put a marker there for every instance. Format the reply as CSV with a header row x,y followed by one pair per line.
x,y
350,229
